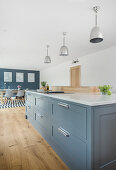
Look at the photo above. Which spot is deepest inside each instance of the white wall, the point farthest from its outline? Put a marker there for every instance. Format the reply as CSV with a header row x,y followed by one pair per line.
x,y
27,26
56,76
96,69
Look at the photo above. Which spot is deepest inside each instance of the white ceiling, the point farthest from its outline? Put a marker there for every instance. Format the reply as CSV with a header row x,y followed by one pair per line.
x,y
27,26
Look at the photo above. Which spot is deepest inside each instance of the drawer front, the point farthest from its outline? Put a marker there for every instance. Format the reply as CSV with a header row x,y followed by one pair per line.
x,y
73,148
42,104
29,111
42,131
29,98
71,117
42,119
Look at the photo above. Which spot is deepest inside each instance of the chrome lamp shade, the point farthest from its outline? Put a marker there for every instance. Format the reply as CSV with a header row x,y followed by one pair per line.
x,y
63,51
47,59
96,35
64,48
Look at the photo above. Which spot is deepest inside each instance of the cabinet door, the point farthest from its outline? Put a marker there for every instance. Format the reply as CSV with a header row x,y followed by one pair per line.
x,y
105,137
42,116
29,98
72,117
29,111
42,104
42,121
73,148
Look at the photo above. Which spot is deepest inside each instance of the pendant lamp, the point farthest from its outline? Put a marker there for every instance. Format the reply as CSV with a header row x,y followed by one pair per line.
x,y
47,58
64,49
96,35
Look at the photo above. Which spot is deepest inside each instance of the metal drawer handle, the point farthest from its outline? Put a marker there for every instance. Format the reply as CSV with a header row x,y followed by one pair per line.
x,y
64,132
38,97
29,94
41,116
64,105
29,107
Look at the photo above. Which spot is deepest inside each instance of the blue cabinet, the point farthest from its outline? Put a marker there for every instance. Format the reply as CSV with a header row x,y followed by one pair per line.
x,y
83,136
74,149
30,98
65,113
29,106
104,135
38,113
29,111
42,122
69,133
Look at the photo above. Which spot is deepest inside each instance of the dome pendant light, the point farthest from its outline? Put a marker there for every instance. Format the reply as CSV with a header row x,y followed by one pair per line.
x,y
96,35
64,49
47,58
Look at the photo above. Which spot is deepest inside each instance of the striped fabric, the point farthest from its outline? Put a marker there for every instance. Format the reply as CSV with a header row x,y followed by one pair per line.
x,y
8,104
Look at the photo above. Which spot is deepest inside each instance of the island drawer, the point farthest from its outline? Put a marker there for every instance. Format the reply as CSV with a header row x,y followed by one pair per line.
x,y
44,112
72,117
42,119
41,103
29,98
29,111
74,148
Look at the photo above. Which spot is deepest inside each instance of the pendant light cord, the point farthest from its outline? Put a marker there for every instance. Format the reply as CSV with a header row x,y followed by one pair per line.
x,y
96,8
96,19
47,49
64,33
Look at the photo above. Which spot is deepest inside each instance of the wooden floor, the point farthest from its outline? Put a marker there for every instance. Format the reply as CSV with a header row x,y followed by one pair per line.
x,y
21,147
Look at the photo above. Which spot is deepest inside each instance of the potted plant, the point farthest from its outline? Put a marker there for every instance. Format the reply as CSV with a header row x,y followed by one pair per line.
x,y
105,89
43,84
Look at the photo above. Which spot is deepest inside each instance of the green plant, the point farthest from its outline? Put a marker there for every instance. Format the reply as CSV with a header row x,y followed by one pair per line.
x,y
43,83
105,89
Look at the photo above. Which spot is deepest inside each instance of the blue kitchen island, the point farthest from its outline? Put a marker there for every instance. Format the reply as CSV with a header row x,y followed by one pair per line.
x,y
81,128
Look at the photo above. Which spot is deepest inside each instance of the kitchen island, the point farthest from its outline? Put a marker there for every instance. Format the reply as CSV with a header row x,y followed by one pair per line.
x,y
79,127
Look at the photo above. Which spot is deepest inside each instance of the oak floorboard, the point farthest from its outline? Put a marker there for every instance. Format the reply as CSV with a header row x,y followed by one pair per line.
x,y
22,147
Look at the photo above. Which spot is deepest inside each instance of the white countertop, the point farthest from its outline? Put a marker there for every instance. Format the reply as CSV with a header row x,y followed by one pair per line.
x,y
83,98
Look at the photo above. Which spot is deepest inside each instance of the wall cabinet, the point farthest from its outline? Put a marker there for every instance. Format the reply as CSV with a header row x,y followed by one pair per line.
x,y
83,136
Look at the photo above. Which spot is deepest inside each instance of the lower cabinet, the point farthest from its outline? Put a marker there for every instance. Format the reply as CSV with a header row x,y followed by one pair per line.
x,y
29,111
63,126
71,117
83,136
43,124
69,133
105,138
73,148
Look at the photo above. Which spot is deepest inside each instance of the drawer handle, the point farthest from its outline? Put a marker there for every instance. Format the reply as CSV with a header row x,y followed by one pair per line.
x,y
29,107
41,116
64,132
29,94
39,98
64,105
